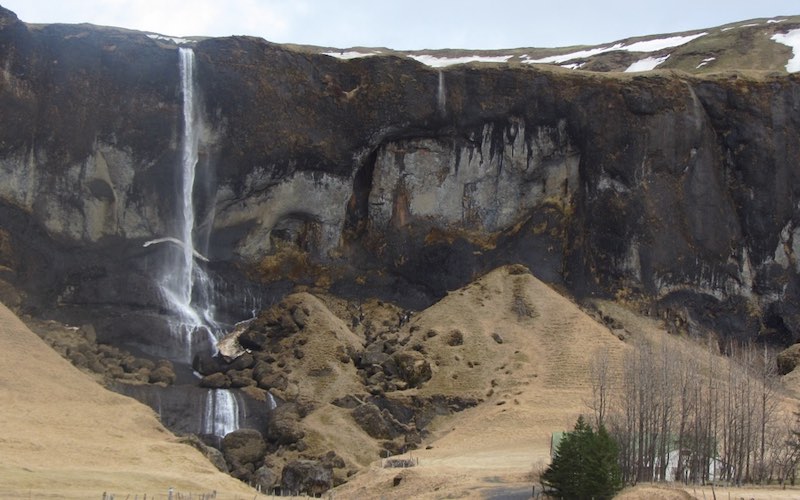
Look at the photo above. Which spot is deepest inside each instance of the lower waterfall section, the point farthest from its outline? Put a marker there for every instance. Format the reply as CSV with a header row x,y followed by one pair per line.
x,y
187,409
222,412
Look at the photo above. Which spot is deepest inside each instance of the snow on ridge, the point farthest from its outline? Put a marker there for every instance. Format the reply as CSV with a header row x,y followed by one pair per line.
x,y
643,46
646,64
705,61
351,54
440,62
661,43
562,58
750,25
792,39
173,39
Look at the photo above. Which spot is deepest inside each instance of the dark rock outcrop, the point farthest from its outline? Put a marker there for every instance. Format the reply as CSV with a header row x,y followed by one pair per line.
x,y
412,367
378,423
212,454
663,188
243,446
284,427
306,476
264,479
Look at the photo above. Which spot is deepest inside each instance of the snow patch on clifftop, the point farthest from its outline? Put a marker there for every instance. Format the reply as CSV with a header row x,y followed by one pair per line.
x,y
440,62
792,39
350,54
643,46
646,64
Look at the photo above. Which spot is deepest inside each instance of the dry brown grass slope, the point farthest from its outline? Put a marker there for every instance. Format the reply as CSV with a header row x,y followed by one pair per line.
x,y
64,436
533,383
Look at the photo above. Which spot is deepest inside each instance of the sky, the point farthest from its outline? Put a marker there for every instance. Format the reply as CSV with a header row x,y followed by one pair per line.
x,y
407,24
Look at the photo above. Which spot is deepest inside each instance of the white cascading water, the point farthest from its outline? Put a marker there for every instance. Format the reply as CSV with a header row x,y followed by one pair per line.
x,y
178,281
194,326
222,413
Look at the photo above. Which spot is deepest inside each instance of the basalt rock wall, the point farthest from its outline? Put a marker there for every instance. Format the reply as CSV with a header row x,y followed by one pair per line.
x,y
391,178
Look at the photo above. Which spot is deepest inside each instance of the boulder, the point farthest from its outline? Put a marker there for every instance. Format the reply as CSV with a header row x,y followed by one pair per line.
x,y
284,427
412,367
243,378
254,338
306,476
243,362
243,446
349,402
333,460
243,472
212,454
206,364
374,354
300,316
260,369
264,479
215,381
454,338
88,332
378,424
273,381
162,375
788,359
217,458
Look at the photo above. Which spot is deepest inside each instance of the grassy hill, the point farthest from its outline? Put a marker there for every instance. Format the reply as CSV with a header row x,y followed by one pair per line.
x,y
62,435
747,45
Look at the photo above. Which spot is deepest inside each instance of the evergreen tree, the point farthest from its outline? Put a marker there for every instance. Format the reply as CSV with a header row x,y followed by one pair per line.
x,y
585,465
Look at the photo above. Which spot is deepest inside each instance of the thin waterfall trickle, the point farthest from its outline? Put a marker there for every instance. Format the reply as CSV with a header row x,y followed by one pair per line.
x,y
440,95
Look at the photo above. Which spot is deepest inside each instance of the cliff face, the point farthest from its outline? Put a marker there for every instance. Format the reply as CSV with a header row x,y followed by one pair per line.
x,y
389,178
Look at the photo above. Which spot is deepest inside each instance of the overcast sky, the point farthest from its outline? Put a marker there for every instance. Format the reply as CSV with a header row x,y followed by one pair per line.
x,y
407,24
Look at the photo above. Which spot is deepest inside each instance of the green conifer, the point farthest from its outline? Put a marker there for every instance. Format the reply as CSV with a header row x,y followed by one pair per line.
x,y
585,465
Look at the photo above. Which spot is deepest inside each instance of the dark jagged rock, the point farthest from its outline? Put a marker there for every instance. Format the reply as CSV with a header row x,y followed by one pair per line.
x,y
306,476
284,427
243,446
264,479
412,367
212,454
216,381
380,424
162,375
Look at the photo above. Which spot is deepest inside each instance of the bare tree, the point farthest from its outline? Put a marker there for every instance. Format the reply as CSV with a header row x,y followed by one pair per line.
x,y
601,385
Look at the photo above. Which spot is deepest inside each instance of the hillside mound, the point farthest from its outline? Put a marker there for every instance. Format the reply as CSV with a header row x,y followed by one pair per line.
x,y
525,351
63,436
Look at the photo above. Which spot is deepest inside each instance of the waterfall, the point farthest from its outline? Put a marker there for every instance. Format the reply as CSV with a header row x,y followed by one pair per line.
x,y
194,325
191,142
440,95
222,413
185,285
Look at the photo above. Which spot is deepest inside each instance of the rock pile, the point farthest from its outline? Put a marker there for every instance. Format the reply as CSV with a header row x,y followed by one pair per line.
x,y
108,363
